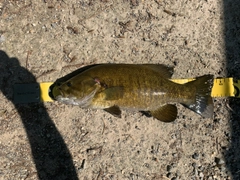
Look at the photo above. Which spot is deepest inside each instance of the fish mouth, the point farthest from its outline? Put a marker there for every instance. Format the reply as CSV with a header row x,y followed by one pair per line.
x,y
50,90
54,92
57,94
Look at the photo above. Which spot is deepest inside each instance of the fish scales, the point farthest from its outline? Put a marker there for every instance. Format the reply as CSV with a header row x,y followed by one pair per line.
x,y
136,87
144,89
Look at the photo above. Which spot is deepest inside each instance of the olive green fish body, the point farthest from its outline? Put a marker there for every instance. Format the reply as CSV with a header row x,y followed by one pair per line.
x,y
136,87
143,87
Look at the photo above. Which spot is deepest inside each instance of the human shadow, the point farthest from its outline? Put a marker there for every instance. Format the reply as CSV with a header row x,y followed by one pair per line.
x,y
232,49
49,151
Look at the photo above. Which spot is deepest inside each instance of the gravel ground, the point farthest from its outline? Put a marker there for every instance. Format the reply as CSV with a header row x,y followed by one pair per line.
x,y
44,40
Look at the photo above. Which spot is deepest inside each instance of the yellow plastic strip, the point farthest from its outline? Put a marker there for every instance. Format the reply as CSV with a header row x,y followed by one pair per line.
x,y
44,91
222,87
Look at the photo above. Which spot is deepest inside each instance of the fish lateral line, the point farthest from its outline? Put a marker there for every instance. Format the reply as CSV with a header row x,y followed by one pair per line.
x,y
222,87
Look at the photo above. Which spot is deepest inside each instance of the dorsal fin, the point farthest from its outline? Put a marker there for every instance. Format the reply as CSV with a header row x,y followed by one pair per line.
x,y
165,71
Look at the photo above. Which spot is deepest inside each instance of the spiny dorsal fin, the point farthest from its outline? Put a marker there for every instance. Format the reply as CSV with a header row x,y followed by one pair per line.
x,y
165,71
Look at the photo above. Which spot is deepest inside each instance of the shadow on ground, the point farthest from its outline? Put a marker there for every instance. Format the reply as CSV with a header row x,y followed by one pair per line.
x,y
50,154
232,47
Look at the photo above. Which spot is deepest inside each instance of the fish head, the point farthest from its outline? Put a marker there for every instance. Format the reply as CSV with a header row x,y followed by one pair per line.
x,y
77,91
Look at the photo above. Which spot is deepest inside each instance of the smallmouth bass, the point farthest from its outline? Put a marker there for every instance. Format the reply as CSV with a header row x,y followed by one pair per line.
x,y
141,87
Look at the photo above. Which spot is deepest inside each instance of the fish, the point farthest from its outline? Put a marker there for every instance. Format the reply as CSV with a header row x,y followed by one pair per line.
x,y
138,87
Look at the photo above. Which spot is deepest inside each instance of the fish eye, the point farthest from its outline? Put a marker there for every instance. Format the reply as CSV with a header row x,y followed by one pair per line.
x,y
69,84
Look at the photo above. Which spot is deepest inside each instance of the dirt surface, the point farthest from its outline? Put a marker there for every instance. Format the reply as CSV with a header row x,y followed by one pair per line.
x,y
45,40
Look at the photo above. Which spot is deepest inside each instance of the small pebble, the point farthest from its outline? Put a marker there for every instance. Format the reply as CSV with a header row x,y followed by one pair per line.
x,y
194,165
200,168
169,167
201,175
195,156
209,178
219,161
146,165
169,174
2,38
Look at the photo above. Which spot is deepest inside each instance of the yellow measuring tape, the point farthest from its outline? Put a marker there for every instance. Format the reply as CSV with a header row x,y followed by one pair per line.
x,y
222,87
44,88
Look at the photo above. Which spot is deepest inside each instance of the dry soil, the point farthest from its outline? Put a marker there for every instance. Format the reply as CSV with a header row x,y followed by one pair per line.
x,y
42,40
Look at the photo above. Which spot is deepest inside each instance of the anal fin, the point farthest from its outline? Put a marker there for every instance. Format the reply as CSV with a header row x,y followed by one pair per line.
x,y
166,113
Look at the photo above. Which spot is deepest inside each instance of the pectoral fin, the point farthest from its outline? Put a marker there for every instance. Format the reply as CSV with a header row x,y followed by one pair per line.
x,y
113,93
114,110
166,113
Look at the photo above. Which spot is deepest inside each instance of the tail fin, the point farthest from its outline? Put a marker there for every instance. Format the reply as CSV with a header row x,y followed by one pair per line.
x,y
203,103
